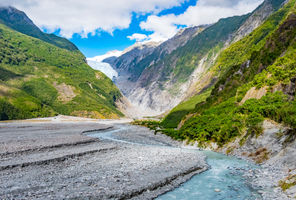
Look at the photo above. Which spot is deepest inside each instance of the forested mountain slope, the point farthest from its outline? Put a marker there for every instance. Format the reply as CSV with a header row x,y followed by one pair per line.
x,y
20,22
38,79
239,54
250,111
256,82
166,76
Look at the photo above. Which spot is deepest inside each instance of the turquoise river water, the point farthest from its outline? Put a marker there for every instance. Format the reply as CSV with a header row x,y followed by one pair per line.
x,y
224,180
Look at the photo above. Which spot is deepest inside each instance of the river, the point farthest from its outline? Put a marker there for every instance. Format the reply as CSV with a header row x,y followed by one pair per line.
x,y
223,180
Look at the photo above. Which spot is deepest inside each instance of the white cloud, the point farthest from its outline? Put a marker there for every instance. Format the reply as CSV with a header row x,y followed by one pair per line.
x,y
84,17
138,37
90,16
163,27
109,54
204,12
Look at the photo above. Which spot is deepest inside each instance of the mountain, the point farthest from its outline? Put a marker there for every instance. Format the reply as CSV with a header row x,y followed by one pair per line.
x,y
40,79
202,83
163,84
234,66
159,78
249,110
126,63
136,59
19,21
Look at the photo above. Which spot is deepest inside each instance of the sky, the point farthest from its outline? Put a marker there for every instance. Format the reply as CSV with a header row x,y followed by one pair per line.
x,y
99,26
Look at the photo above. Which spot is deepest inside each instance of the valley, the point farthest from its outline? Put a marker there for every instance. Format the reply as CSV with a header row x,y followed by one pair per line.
x,y
207,113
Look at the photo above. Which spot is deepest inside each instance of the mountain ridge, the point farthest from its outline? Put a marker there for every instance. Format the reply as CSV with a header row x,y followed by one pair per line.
x,y
19,21
250,110
40,79
175,75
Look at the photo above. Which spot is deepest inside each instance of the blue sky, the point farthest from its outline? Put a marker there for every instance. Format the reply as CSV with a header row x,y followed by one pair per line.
x,y
103,41
99,26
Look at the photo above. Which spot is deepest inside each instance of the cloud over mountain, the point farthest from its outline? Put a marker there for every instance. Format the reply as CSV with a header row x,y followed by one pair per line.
x,y
84,17
92,16
204,12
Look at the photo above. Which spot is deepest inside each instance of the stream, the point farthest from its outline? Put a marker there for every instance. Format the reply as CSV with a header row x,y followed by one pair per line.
x,y
222,181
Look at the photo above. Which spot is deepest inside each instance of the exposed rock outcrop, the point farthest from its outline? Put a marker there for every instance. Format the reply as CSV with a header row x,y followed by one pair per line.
x,y
66,92
255,20
254,93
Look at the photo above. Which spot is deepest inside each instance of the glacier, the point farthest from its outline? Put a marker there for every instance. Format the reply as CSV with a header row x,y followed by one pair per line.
x,y
103,67
98,64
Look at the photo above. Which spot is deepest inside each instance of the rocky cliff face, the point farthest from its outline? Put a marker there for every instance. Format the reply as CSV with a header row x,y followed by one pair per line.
x,y
255,20
274,149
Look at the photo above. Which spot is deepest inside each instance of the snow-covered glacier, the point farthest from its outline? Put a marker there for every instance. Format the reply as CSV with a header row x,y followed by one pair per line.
x,y
98,64
103,67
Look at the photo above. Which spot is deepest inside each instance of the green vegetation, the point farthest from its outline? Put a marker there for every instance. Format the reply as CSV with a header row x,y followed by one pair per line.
x,y
243,50
199,46
151,124
38,79
276,3
221,118
288,183
223,122
179,112
264,58
19,21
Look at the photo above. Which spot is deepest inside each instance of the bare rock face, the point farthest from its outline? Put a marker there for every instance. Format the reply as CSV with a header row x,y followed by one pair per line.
x,y
157,97
125,64
132,55
254,93
255,20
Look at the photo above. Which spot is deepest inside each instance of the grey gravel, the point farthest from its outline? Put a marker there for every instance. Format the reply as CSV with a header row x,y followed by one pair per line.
x,y
56,161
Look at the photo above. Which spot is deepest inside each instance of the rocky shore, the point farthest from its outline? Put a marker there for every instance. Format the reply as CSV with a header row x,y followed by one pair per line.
x,y
275,151
54,160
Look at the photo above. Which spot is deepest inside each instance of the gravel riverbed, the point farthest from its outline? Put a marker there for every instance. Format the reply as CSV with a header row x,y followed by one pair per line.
x,y
58,160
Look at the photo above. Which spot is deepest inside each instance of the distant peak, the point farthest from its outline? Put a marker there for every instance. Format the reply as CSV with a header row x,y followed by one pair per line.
x,y
11,14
